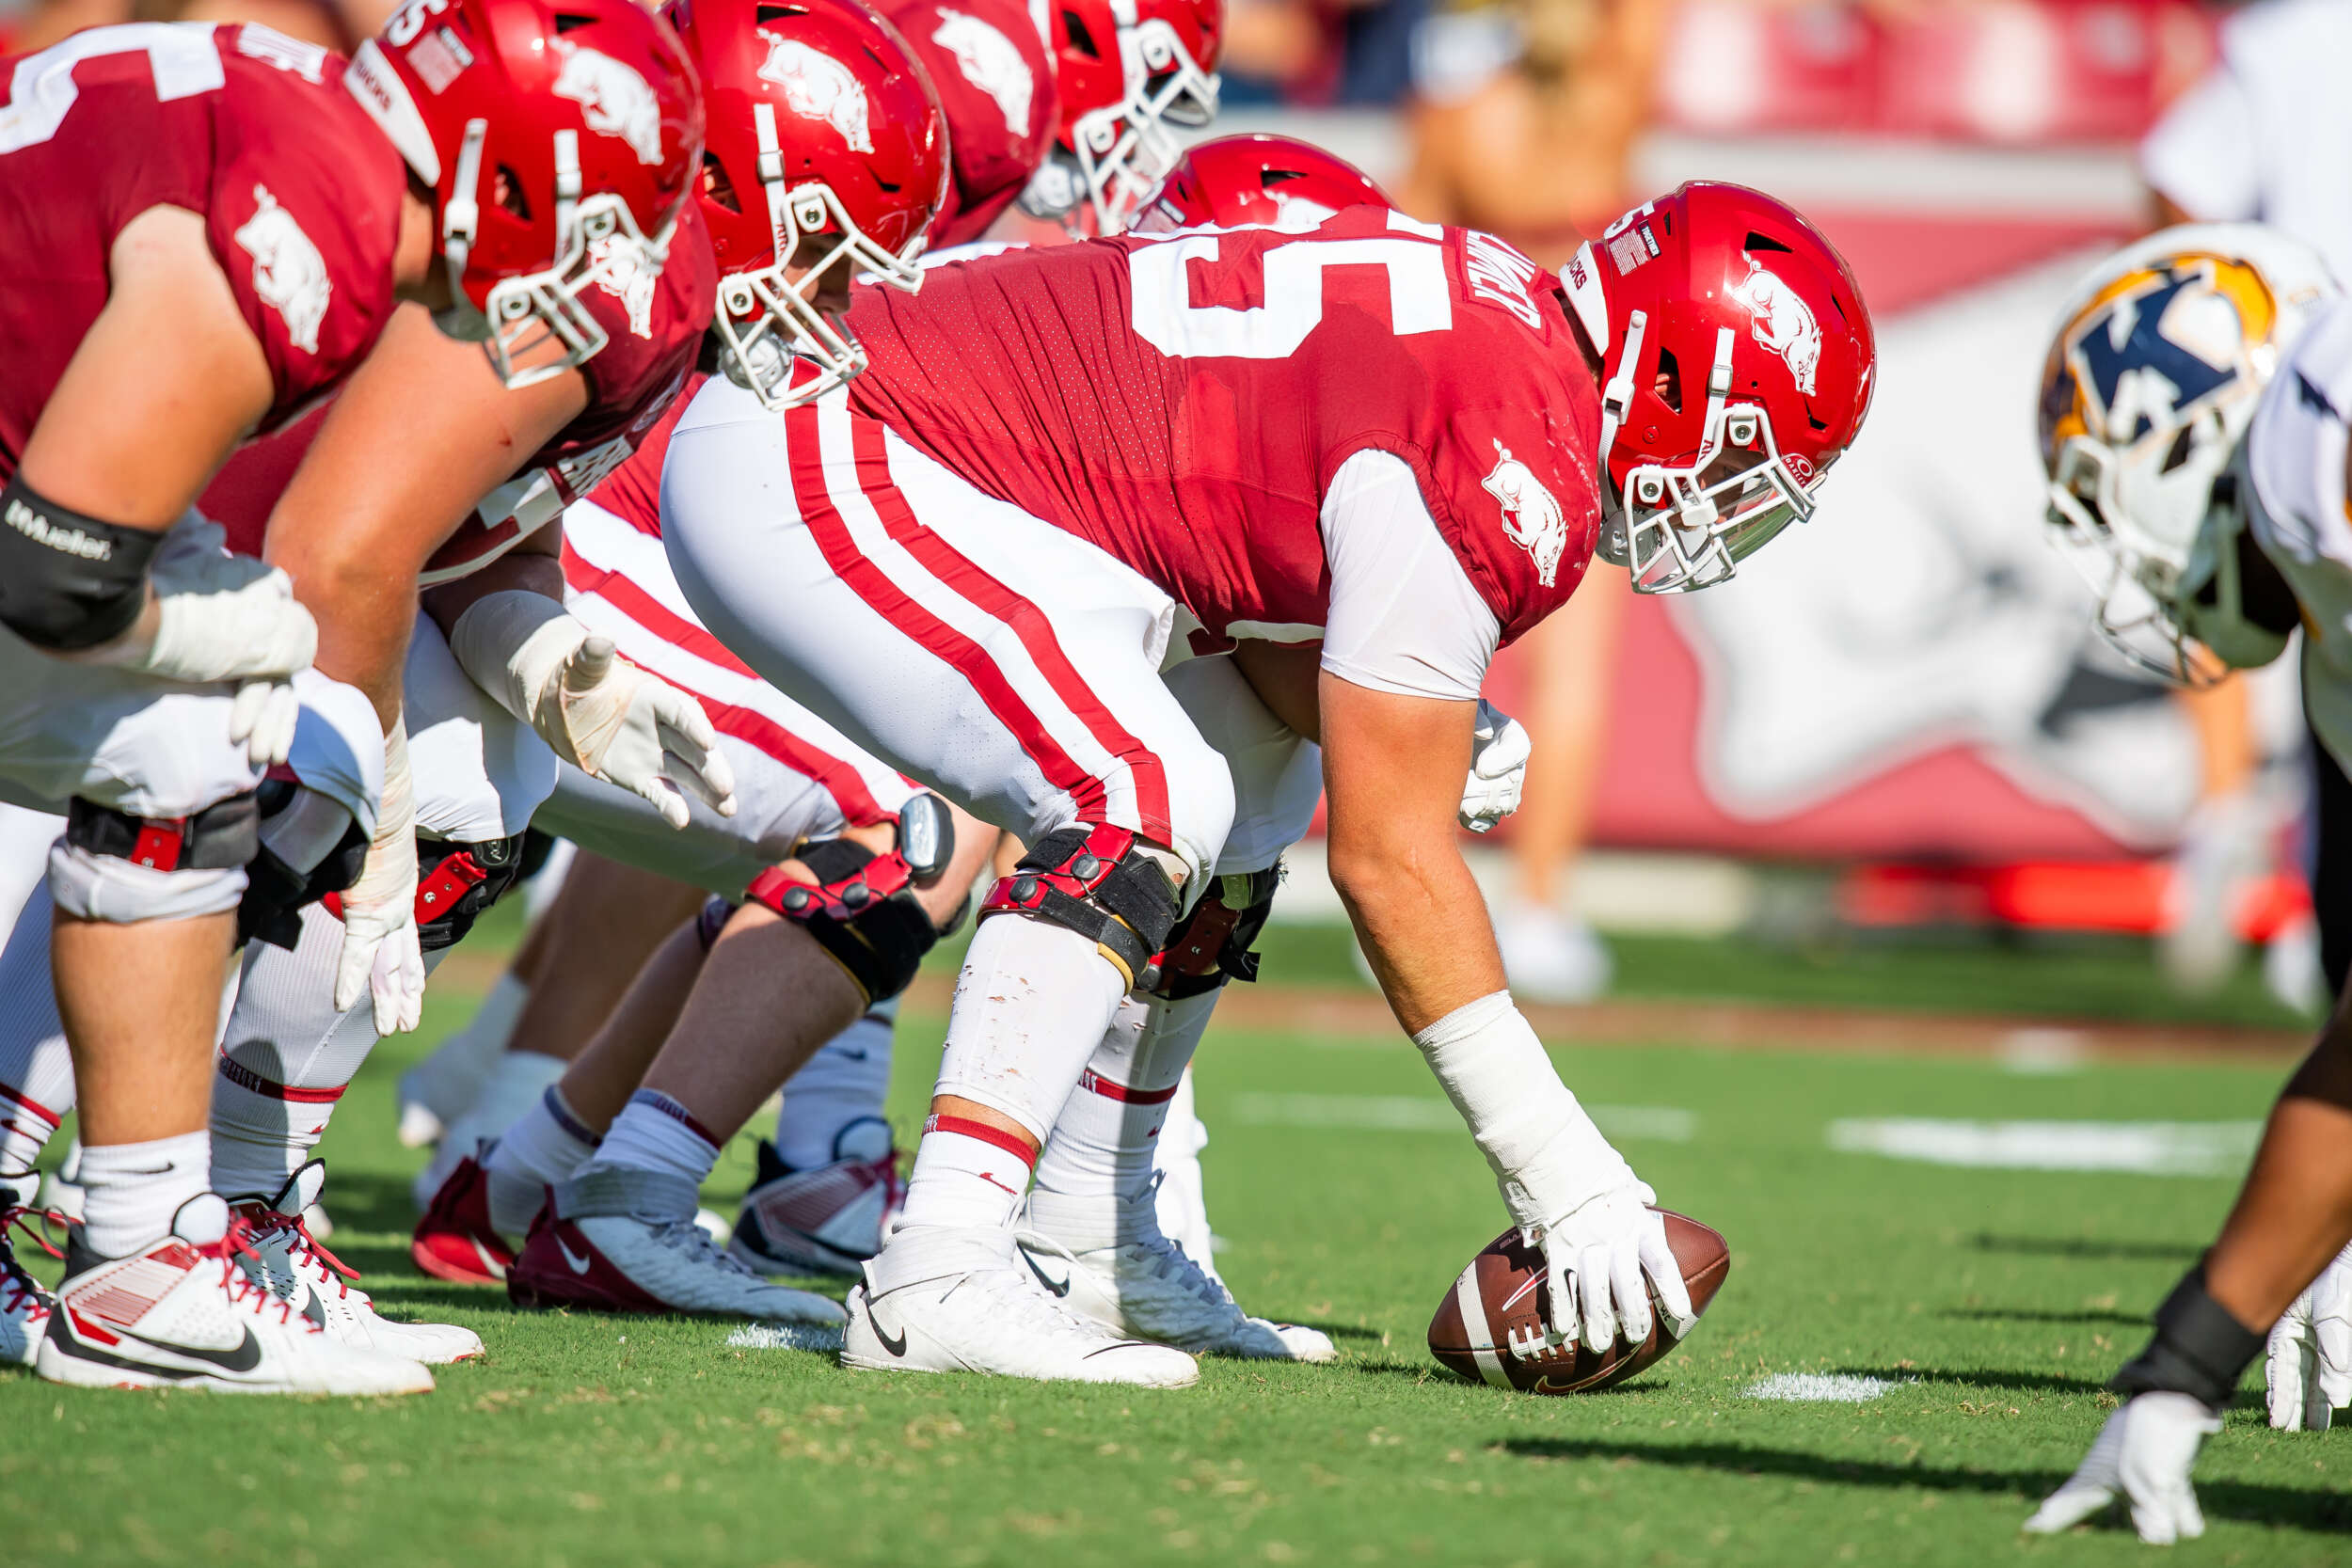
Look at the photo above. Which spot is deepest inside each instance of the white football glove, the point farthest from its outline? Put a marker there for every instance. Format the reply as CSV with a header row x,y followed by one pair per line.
x,y
2307,1367
2145,1452
1498,769
381,957
598,711
1604,1260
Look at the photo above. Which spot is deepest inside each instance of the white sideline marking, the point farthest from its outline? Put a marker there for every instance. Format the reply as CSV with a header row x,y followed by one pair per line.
x,y
787,1337
1819,1388
2141,1148
1400,1113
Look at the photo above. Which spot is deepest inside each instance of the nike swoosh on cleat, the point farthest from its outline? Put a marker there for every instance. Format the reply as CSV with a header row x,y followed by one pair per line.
x,y
1059,1288
896,1346
240,1358
577,1264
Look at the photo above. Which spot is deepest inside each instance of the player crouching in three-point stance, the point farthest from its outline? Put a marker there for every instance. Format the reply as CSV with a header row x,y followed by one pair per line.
x,y
1095,513
2193,425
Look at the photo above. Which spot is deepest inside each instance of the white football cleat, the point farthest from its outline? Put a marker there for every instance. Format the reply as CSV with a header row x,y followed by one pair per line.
x,y
288,1261
25,1306
941,1300
1106,1260
183,1314
827,1219
619,1239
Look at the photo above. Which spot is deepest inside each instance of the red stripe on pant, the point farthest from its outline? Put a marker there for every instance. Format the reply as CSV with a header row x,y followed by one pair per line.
x,y
842,780
1120,1092
246,1078
30,1106
1028,622
871,584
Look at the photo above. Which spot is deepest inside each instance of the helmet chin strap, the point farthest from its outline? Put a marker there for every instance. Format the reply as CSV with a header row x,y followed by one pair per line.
x,y
1616,401
461,214
781,230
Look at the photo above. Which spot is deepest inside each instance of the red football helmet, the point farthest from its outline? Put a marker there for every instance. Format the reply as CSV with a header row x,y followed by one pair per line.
x,y
1279,181
559,137
996,87
1738,358
823,128
1130,70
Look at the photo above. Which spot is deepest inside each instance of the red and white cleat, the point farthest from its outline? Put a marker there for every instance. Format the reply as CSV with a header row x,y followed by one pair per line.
x,y
827,1219
186,1314
24,1306
616,1239
456,1240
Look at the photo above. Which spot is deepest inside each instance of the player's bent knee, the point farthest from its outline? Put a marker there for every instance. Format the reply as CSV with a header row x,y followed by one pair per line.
x,y
1101,883
864,911
1217,941
111,866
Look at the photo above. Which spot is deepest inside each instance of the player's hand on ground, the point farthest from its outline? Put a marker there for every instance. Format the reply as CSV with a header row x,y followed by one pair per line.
x,y
382,957
2144,1454
1498,755
1606,1261
2308,1366
625,726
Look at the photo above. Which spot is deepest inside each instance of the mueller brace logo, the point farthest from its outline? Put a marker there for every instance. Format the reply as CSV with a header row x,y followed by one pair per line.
x,y
65,541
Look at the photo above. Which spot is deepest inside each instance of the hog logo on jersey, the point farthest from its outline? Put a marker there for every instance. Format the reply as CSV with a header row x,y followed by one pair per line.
x,y
818,86
1782,322
991,63
613,101
628,274
1532,518
289,274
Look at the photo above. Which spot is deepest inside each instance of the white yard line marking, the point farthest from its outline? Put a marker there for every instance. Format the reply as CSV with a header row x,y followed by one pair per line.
x,y
1399,1113
787,1337
2140,1148
1821,1388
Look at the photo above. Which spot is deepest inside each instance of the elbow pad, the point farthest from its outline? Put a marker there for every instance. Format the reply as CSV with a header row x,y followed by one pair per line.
x,y
67,582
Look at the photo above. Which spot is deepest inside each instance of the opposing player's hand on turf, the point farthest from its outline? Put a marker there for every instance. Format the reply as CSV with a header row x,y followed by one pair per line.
x,y
1606,1261
2143,1454
2308,1365
1497,770
382,957
621,724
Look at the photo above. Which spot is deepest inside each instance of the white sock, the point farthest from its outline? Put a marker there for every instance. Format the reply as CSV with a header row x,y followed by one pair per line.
x,y
1033,1002
35,1069
967,1176
133,1190
656,1133
1181,1202
845,1083
546,1147
1103,1141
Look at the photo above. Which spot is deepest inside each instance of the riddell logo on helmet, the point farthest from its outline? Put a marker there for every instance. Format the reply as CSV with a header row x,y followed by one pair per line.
x,y
990,62
1532,518
818,86
613,100
1782,322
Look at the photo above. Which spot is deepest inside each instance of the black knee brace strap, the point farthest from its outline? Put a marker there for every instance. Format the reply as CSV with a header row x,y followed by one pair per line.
x,y
1213,945
711,919
276,893
457,883
68,581
2200,1349
1098,882
864,912
217,838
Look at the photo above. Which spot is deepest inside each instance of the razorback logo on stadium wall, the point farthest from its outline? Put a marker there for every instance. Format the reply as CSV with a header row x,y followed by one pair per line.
x,y
990,62
1532,518
818,86
613,101
1782,322
289,274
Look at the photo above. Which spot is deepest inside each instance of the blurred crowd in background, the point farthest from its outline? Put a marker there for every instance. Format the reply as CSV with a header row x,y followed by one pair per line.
x,y
1907,689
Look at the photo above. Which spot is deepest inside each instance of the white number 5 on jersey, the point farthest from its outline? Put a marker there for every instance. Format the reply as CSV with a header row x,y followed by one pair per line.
x,y
1164,317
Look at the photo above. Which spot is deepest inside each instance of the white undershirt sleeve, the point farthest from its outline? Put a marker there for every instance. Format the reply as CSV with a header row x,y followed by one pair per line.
x,y
2201,155
1405,615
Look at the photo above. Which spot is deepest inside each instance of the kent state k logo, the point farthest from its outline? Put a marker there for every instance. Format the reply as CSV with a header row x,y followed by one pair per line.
x,y
2132,353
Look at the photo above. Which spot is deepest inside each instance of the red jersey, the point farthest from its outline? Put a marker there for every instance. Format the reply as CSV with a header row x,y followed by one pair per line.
x,y
1183,401
653,323
300,195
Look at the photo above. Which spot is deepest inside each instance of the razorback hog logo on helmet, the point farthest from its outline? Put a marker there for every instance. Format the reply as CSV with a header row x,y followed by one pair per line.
x,y
1782,322
818,86
613,101
1532,518
289,274
990,62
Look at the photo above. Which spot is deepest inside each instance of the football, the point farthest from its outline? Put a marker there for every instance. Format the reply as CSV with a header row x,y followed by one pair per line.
x,y
1501,1299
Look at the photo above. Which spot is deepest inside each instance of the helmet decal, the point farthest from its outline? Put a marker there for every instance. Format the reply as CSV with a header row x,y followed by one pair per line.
x,y
1532,518
2149,353
818,86
615,100
1782,322
990,62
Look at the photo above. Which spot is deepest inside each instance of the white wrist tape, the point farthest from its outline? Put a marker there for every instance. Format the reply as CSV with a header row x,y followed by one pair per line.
x,y
510,644
1546,1153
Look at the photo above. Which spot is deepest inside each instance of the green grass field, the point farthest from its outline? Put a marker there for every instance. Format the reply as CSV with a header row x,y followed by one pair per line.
x,y
1994,1303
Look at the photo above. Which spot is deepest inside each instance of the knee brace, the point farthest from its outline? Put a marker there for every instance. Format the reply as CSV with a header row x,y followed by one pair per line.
x,y
1214,945
864,914
68,581
275,892
455,882
185,865
711,919
1099,882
